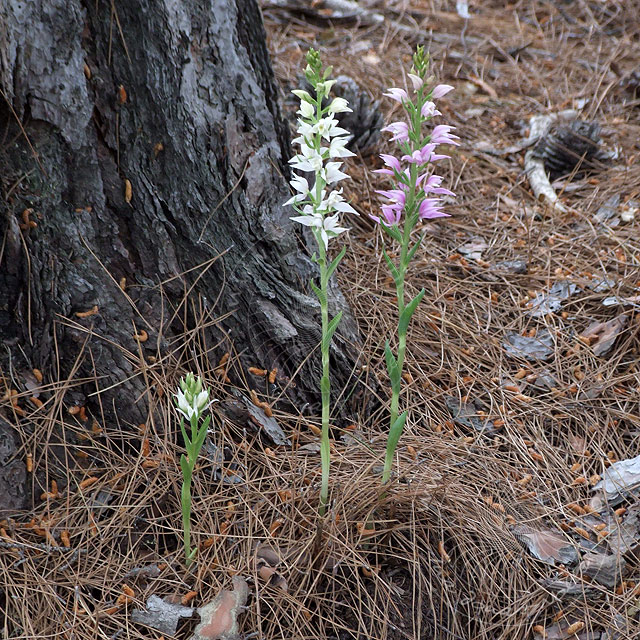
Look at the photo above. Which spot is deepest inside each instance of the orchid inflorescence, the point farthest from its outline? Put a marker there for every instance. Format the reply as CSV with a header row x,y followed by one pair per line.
x,y
414,198
322,145
320,140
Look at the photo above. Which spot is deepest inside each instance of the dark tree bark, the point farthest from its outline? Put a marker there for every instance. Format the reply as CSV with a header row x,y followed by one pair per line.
x,y
177,100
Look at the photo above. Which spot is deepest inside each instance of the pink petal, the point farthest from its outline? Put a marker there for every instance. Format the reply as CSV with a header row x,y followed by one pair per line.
x,y
441,90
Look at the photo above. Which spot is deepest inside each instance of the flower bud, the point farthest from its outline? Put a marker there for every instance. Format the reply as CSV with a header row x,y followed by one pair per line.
x,y
306,110
339,105
303,95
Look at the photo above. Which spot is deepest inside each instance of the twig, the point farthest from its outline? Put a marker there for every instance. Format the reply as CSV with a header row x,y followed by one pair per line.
x,y
534,166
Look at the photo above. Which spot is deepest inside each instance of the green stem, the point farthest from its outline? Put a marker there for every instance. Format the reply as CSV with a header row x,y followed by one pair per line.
x,y
402,335
325,384
186,515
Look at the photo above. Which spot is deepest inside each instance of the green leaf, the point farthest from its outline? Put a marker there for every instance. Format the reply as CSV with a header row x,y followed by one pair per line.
x,y
333,325
392,267
321,297
187,439
395,432
325,387
413,250
202,434
185,466
335,262
403,323
393,231
392,368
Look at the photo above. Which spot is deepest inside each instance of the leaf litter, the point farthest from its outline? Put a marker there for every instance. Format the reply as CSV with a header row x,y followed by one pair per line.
x,y
602,335
538,347
551,301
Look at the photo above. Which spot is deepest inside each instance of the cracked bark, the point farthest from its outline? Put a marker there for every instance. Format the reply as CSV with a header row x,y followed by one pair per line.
x,y
201,141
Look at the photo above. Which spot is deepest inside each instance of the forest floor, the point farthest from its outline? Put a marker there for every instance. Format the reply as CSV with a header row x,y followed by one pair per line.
x,y
522,385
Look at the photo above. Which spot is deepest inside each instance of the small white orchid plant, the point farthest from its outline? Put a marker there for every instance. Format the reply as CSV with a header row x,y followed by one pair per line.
x,y
191,400
322,145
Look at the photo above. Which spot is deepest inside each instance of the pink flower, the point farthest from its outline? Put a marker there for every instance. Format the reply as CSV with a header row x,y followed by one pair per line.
x,y
396,196
400,131
429,110
390,161
432,185
431,208
397,94
417,81
424,155
391,212
441,90
441,135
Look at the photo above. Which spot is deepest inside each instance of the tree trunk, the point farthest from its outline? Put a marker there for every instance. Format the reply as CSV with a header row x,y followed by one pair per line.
x,y
143,139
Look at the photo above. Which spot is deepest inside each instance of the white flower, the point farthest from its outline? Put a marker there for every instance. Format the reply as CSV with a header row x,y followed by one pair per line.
x,y
304,128
339,105
337,148
201,400
190,405
310,220
330,229
325,87
303,95
183,406
335,202
306,110
331,173
328,127
328,226
307,160
300,184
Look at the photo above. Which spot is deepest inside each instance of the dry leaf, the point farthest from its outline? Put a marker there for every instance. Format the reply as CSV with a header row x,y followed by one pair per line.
x,y
219,618
551,301
620,478
266,563
547,546
602,335
604,569
466,414
539,347
161,615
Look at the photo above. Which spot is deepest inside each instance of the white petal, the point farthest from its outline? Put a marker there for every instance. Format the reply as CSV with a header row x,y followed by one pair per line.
x,y
297,198
308,221
345,207
300,184
303,95
332,172
304,128
339,105
307,110
337,148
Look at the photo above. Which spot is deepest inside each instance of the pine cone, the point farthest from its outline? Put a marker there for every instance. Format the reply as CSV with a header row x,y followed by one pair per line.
x,y
568,146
